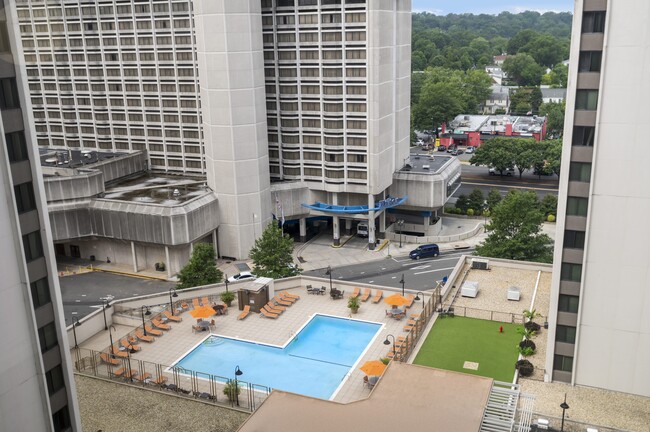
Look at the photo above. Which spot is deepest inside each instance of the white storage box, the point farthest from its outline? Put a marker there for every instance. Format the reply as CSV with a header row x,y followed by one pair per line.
x,y
513,293
469,289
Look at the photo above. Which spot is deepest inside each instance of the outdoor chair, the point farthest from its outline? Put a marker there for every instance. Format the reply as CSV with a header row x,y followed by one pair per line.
x,y
265,313
152,331
159,380
410,298
288,297
117,372
244,313
205,301
117,352
144,376
274,308
281,302
366,294
126,344
130,373
160,325
106,359
195,303
171,317
378,296
355,292
144,338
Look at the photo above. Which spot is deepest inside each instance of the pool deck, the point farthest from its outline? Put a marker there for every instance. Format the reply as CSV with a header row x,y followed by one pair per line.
x,y
175,343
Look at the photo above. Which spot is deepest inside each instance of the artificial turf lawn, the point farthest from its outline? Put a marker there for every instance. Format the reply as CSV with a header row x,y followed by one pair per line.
x,y
453,341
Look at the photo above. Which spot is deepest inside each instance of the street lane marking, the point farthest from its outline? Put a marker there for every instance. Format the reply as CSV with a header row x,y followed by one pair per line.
x,y
432,261
431,271
422,267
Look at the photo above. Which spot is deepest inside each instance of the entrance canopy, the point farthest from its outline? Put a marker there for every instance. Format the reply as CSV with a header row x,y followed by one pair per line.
x,y
338,209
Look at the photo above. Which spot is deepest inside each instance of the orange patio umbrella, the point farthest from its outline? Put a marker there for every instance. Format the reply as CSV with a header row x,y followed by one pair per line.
x,y
373,368
203,312
396,300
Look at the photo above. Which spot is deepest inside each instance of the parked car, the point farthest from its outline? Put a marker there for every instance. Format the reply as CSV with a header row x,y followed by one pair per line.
x,y
420,142
452,148
470,150
425,251
506,172
242,277
457,152
362,229
442,148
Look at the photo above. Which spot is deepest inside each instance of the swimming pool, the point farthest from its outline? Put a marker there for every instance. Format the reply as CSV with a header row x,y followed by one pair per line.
x,y
313,363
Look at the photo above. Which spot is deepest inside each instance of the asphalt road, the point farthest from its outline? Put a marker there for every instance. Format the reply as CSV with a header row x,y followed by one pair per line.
x,y
83,293
419,275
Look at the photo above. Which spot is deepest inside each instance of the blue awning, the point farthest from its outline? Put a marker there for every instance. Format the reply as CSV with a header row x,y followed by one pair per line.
x,y
338,209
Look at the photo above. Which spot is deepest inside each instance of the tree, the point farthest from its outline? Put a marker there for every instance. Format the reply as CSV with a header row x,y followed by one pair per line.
x,y
524,100
493,198
525,153
462,202
515,230
554,112
272,254
201,269
496,152
553,152
557,78
523,70
476,200
549,204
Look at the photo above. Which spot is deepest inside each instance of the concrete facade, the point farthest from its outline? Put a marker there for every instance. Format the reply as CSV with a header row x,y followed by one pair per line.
x,y
600,310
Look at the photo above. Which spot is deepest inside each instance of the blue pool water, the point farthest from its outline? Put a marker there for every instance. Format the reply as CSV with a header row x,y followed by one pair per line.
x,y
313,364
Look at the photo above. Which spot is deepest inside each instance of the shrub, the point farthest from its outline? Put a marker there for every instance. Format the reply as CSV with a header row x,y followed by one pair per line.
x,y
458,211
353,303
486,213
550,218
384,360
450,210
528,344
470,212
231,390
227,297
525,351
462,202
525,368
533,326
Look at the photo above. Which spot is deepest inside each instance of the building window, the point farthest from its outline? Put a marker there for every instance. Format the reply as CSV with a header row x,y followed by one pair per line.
x,y
61,420
40,293
593,22
574,239
583,136
47,337
590,61
16,146
580,171
54,378
565,334
33,246
568,303
25,200
563,363
587,100
571,272
577,206
9,94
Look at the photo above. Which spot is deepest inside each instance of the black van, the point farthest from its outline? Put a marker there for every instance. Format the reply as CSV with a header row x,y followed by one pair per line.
x,y
425,251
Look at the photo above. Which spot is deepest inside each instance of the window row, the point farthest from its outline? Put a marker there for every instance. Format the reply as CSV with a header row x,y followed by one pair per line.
x,y
316,139
106,26
316,106
318,172
91,59
323,18
113,87
266,4
112,72
114,102
315,90
94,11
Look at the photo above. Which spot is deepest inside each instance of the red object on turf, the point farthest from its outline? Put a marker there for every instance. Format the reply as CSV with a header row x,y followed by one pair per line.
x,y
501,329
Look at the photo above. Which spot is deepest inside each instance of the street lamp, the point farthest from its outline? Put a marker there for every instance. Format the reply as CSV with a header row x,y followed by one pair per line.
x,y
329,273
110,335
485,209
171,306
130,350
104,305
143,313
238,372
417,297
564,407
226,280
387,342
75,323
400,225
402,282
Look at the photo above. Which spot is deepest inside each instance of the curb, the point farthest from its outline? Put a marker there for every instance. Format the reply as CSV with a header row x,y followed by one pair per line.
x,y
121,273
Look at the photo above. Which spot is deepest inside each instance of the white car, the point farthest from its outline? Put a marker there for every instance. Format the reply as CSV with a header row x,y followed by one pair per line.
x,y
242,277
420,142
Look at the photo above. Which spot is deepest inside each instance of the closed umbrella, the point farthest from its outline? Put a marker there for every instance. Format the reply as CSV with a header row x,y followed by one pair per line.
x,y
373,367
202,312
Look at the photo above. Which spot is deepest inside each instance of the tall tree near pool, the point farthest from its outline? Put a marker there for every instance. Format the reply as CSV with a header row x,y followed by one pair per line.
x,y
514,231
272,254
201,268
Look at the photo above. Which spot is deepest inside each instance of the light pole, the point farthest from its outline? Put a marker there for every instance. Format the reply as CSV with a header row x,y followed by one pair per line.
x,y
171,306
110,335
143,313
226,280
485,209
329,273
402,282
400,225
104,305
238,372
417,297
564,407
130,350
75,323
387,342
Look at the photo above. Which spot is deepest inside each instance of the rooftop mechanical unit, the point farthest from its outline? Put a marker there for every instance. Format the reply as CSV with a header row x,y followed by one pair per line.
x,y
480,264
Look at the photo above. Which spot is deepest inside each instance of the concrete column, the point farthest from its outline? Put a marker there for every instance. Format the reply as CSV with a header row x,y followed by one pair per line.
x,y
168,264
215,243
191,248
134,257
382,224
348,226
336,222
303,229
371,222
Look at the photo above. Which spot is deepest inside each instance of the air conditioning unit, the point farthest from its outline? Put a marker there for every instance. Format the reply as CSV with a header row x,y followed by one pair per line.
x,y
480,264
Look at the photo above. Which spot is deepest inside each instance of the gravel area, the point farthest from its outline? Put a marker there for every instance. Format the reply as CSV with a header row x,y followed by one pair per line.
x,y
107,407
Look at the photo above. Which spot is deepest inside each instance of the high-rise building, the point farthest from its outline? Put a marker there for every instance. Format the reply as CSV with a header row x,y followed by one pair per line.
x,y
37,391
600,310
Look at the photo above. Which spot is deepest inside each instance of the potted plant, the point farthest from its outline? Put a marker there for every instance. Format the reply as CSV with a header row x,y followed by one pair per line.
x,y
232,390
354,304
525,368
227,297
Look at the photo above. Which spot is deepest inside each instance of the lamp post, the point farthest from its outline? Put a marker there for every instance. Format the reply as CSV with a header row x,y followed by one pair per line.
x,y
143,313
564,407
171,305
130,350
238,372
110,335
485,209
75,323
417,297
387,342
104,305
402,282
329,273
400,225
226,280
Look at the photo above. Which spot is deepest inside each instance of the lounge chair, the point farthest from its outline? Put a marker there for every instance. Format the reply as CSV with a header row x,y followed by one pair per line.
x,y
152,331
117,372
265,313
205,301
128,345
144,338
171,317
410,298
143,376
288,298
185,306
285,294
244,313
366,294
160,325
409,325
195,303
281,302
355,293
130,373
224,309
117,352
111,361
378,296
159,380
274,309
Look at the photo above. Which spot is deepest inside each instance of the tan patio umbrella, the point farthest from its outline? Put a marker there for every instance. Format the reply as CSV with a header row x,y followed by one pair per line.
x,y
373,367
396,300
203,312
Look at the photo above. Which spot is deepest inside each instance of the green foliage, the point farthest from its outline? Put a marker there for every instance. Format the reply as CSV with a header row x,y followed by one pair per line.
x,y
523,70
470,212
524,153
227,296
462,203
525,351
531,314
550,218
496,152
354,302
476,199
526,333
493,198
554,112
486,213
231,390
549,205
557,77
201,269
272,254
384,360
515,230
553,154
